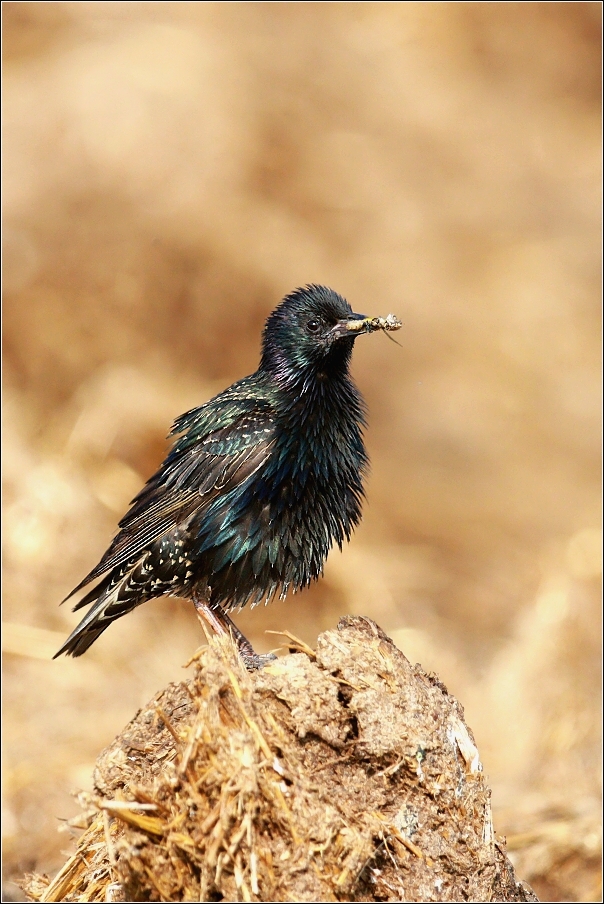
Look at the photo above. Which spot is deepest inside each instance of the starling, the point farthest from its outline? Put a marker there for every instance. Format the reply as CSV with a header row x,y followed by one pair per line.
x,y
259,484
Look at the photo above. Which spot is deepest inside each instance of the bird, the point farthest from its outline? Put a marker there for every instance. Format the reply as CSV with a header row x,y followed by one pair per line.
x,y
260,483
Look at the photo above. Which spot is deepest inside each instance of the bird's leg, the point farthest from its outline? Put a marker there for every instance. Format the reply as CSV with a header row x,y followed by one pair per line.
x,y
220,622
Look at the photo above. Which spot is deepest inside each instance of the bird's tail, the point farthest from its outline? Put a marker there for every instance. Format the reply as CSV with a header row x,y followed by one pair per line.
x,y
113,597
83,637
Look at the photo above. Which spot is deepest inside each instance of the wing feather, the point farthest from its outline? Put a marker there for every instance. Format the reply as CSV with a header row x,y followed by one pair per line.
x,y
193,475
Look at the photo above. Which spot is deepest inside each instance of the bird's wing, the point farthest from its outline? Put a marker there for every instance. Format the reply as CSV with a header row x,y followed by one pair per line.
x,y
201,466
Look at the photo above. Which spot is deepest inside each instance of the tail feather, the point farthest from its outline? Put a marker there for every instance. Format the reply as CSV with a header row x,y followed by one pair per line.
x,y
92,626
113,597
80,639
101,589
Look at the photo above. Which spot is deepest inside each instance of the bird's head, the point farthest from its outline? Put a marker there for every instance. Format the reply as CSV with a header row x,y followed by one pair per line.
x,y
312,330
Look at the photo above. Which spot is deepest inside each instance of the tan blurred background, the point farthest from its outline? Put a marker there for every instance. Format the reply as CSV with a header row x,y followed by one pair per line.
x,y
170,171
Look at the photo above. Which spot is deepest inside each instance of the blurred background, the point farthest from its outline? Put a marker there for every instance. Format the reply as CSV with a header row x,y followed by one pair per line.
x,y
170,171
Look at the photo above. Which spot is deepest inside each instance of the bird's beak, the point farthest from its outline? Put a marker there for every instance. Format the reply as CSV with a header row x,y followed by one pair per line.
x,y
351,327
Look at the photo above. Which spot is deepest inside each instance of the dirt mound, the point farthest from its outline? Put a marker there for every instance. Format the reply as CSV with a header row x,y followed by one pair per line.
x,y
348,774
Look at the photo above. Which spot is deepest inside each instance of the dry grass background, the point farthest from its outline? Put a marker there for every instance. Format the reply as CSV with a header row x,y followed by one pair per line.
x,y
170,171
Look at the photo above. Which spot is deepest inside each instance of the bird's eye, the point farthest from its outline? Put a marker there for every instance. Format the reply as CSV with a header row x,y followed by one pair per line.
x,y
313,326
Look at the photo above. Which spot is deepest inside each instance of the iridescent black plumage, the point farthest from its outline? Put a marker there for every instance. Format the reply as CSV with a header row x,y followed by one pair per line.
x,y
261,481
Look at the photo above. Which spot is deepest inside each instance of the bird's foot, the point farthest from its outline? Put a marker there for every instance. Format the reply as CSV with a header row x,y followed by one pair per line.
x,y
222,624
253,661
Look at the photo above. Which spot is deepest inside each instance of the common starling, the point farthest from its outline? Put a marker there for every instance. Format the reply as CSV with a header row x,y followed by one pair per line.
x,y
259,484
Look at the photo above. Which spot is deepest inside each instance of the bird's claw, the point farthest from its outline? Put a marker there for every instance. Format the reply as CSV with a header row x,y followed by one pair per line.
x,y
254,661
